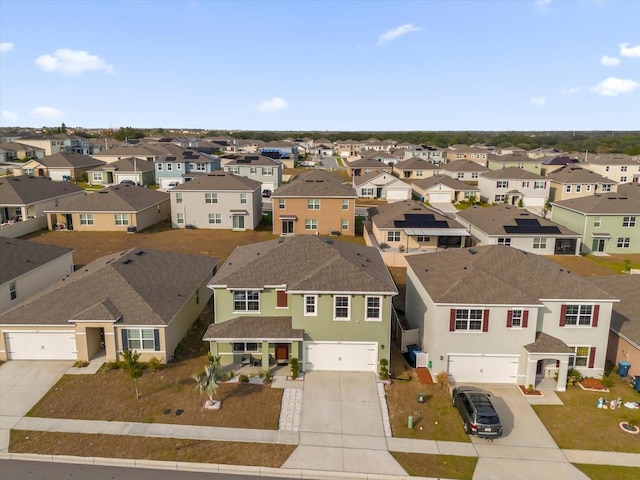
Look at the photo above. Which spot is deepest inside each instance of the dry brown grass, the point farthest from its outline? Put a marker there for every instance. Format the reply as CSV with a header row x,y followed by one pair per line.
x,y
594,266
437,466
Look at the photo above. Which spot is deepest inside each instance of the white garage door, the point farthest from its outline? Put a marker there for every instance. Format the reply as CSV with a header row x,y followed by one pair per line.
x,y
164,182
133,177
58,175
41,345
341,356
268,186
398,195
483,368
439,198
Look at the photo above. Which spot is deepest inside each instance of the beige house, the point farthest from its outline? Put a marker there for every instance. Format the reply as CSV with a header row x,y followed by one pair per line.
x,y
464,170
364,166
142,300
443,189
11,151
465,152
573,181
315,203
615,166
61,166
415,168
121,208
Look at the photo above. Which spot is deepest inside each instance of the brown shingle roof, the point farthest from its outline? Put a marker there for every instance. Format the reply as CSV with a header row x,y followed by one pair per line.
x,y
415,163
24,190
464,166
545,343
426,183
250,160
128,165
384,216
604,203
18,257
70,160
217,181
625,319
512,173
317,184
119,198
258,328
574,174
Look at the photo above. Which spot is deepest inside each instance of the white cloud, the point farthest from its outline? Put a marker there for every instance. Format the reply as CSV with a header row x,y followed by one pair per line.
x,y
272,105
538,101
397,32
571,90
609,61
8,116
72,62
46,113
612,86
6,47
627,51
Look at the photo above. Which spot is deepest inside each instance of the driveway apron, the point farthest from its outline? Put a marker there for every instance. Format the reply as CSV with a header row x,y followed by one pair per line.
x,y
341,427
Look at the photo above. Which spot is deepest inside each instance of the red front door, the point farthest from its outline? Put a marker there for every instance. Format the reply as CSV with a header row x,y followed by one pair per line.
x,y
282,352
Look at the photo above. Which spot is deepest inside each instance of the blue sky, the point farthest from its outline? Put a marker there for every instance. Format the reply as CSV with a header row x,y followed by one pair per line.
x,y
322,65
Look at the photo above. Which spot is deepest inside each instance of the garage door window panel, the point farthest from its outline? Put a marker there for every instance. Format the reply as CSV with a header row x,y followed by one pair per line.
x,y
342,308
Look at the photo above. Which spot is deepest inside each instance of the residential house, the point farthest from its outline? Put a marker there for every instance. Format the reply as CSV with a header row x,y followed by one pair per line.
x,y
510,150
363,166
12,151
177,168
323,149
388,158
217,200
607,222
410,225
375,146
508,225
443,189
572,181
261,168
141,300
30,267
382,186
284,148
514,185
496,314
141,172
464,170
61,166
552,164
141,152
326,303
498,162
314,203
120,208
616,166
347,148
542,152
465,152
23,201
429,153
415,168
61,142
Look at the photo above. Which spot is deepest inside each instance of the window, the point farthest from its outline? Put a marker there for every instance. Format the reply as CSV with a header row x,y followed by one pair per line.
x,y
418,173
623,242
169,167
366,192
12,291
521,166
580,357
210,198
623,168
422,239
246,301
201,167
393,236
539,185
179,166
460,175
97,176
516,318
504,241
122,218
28,172
628,221
179,217
341,308
310,305
178,197
470,320
281,203
345,204
500,198
407,174
252,170
313,204
525,184
539,243
86,219
597,221
267,170
141,339
311,224
215,218
606,169
578,315
578,188
234,170
502,184
567,189
242,347
374,309
160,167
606,188
243,198
474,174
197,296
345,225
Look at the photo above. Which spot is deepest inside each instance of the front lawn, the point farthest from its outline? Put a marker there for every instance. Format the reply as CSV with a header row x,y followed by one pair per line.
x,y
579,424
597,472
437,466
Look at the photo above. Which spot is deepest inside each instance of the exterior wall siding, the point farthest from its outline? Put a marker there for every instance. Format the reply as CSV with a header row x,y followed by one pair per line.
x,y
329,216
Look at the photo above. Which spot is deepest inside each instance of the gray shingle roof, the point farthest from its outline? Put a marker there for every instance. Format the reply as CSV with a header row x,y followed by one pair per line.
x,y
603,203
18,257
25,190
217,181
575,174
128,165
512,172
415,163
497,274
150,289
251,160
460,186
119,198
367,163
493,220
609,159
631,190
545,343
70,160
384,216
258,328
306,263
625,319
381,175
464,166
316,184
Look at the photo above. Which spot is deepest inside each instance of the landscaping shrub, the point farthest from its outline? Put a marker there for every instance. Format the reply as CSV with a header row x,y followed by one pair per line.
x,y
154,364
295,368
384,370
443,381
113,365
243,378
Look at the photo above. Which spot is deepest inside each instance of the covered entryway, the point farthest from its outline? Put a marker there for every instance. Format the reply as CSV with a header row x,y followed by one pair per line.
x,y
482,368
439,198
341,356
60,345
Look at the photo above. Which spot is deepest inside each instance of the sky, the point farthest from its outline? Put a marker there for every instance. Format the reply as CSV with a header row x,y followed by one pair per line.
x,y
321,65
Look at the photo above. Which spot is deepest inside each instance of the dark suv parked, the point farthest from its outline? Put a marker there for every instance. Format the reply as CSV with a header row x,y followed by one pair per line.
x,y
478,413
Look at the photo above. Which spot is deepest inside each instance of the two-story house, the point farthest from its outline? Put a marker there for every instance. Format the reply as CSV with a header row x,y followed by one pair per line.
x,y
315,203
514,185
465,152
173,169
429,153
217,200
571,181
496,314
61,142
464,170
616,166
12,151
261,168
498,162
326,303
415,168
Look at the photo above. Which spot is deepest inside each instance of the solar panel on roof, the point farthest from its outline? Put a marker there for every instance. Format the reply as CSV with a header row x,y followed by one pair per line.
x,y
531,225
425,220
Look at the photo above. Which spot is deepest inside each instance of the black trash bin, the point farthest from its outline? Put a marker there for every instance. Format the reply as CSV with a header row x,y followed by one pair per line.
x,y
637,383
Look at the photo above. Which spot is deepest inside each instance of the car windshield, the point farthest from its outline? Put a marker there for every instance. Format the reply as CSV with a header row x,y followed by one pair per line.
x,y
488,419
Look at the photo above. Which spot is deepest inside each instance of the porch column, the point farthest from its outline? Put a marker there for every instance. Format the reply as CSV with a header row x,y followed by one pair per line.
x,y
562,375
49,223
530,378
265,355
213,348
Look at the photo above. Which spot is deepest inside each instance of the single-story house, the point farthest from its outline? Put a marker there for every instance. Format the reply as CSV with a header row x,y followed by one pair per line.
x,y
443,189
141,172
382,186
61,166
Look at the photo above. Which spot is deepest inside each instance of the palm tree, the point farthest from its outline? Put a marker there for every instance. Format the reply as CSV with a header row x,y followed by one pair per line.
x,y
132,367
208,383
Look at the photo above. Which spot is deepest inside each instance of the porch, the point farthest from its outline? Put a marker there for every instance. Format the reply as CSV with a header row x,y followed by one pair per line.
x,y
544,358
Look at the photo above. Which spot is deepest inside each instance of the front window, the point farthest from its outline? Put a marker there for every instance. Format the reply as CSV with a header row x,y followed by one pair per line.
x,y
234,170
86,219
418,173
628,221
169,167
393,236
178,198
141,339
469,319
97,176
567,189
313,204
311,224
578,315
27,171
179,217
578,188
281,203
474,174
243,198
345,204
623,168
122,218
500,198
374,309
460,175
267,170
539,185
246,301
539,243
504,241
12,291
345,225
623,242
502,184
201,167
606,188
366,192
311,305
597,221
215,218
516,318
160,167
341,308
210,198
242,347
580,357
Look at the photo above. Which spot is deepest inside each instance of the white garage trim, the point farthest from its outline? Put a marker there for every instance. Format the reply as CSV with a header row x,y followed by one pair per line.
x,y
483,368
341,356
440,197
398,195
42,345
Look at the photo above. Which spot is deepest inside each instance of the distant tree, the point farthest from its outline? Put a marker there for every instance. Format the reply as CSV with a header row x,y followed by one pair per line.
x,y
132,367
127,132
63,128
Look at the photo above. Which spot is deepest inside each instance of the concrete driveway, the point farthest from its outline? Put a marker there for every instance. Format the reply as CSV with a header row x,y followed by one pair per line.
x,y
341,426
22,384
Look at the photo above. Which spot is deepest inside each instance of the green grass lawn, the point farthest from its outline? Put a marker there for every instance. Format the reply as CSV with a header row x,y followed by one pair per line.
x,y
602,472
437,466
616,263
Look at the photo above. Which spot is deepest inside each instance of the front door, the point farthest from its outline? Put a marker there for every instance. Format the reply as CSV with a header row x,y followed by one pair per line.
x,y
598,244
287,227
379,192
282,353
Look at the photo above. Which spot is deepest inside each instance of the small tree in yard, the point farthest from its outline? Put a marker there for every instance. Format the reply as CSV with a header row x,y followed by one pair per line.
x,y
209,382
132,367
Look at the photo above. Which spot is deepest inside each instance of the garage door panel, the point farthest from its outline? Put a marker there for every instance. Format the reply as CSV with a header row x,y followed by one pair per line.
x,y
341,356
439,197
398,195
483,368
41,345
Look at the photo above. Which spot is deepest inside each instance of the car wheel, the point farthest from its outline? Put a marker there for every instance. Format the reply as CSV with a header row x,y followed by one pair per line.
x,y
466,427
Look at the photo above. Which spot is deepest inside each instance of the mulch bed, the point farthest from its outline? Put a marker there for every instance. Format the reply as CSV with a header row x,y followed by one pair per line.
x,y
533,393
593,384
424,376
